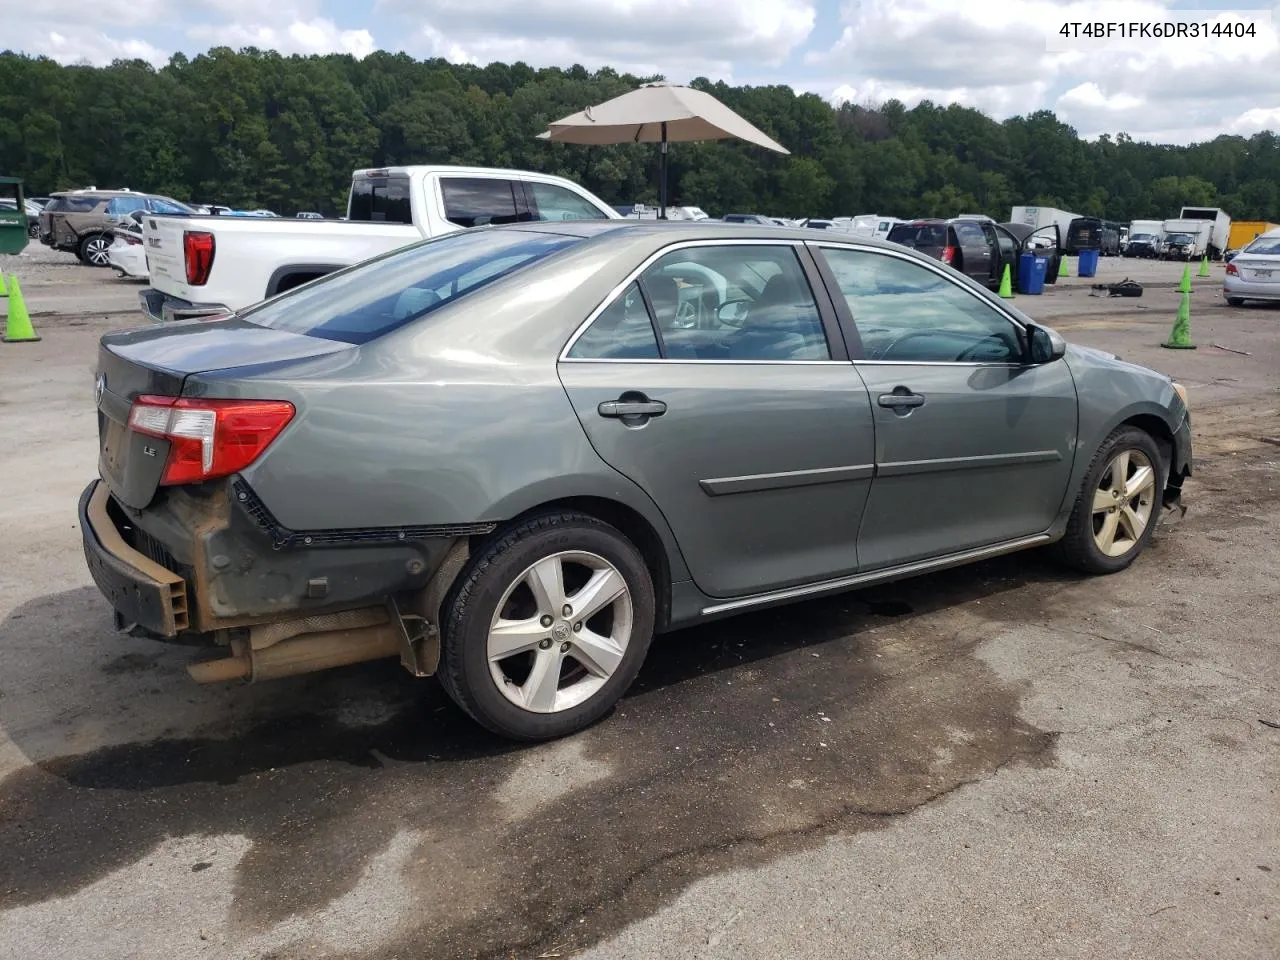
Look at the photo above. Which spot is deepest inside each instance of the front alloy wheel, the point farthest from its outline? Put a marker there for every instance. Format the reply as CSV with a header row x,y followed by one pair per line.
x,y
1123,502
547,626
1115,515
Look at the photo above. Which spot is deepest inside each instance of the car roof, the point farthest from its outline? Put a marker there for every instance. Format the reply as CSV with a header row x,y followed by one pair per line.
x,y
100,194
678,231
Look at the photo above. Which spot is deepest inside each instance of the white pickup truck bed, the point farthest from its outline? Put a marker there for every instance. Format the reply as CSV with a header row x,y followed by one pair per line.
x,y
254,258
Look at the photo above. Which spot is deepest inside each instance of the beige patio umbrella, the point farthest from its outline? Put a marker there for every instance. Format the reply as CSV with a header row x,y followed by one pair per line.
x,y
658,113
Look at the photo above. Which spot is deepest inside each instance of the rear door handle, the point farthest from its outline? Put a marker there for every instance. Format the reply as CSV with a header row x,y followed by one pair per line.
x,y
632,408
900,401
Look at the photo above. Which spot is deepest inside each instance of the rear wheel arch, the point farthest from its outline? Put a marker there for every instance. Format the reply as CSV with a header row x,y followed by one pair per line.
x,y
628,521
296,274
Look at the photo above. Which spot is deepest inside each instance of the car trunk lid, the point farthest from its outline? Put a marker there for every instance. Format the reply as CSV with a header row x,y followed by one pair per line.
x,y
157,361
1261,271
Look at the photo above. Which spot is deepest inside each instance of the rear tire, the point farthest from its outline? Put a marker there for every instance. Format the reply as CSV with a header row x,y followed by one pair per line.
x,y
517,656
1116,513
93,250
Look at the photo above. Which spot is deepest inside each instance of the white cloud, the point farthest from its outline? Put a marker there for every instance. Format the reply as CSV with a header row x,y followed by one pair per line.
x,y
89,46
317,35
999,60
679,38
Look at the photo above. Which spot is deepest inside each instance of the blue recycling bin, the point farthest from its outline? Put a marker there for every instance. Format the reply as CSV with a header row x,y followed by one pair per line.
x,y
1088,266
1031,273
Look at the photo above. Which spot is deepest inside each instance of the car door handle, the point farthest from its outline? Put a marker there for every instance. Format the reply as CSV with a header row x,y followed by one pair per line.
x,y
900,401
632,408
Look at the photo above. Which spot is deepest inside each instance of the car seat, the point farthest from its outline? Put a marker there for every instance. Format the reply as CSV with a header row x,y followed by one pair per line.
x,y
779,326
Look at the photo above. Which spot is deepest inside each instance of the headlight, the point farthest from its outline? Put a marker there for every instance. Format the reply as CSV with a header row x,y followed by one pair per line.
x,y
1181,391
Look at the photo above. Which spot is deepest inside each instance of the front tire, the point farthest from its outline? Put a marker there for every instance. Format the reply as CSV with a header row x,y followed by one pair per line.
x,y
547,627
1118,508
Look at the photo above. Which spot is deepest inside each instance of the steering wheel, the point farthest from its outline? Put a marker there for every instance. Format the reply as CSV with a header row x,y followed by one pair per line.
x,y
909,335
686,317
968,353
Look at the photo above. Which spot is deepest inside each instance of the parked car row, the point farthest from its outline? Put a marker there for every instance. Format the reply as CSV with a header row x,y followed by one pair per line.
x,y
80,221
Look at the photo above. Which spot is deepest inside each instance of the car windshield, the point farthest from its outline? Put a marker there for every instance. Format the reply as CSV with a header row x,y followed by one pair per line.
x,y
1141,238
361,303
1268,246
1179,238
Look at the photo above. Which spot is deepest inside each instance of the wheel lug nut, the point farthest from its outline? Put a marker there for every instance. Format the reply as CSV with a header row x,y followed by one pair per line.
x,y
547,620
564,648
545,644
577,627
568,610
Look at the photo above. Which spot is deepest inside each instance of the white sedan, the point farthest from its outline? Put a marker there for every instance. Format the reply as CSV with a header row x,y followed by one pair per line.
x,y
1254,272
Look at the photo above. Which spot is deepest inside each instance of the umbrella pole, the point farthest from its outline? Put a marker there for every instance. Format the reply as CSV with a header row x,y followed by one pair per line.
x,y
662,176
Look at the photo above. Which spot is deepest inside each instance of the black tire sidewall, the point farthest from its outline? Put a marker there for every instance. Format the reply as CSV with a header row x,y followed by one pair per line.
x,y
82,250
467,627
1126,438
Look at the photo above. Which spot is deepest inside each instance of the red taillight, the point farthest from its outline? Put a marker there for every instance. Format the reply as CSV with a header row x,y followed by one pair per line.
x,y
209,438
1232,271
948,254
197,249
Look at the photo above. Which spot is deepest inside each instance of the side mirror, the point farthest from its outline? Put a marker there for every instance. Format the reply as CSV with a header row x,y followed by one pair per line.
x,y
1045,345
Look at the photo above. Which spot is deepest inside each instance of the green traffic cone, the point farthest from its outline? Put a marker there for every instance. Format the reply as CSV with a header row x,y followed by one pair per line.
x,y
1062,268
1204,267
1006,284
18,328
4,291
1185,285
1180,335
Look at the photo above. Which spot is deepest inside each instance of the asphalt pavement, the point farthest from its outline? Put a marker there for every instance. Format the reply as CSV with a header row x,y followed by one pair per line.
x,y
999,761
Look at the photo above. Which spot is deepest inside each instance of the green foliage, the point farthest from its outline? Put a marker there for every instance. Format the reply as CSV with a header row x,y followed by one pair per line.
x,y
253,128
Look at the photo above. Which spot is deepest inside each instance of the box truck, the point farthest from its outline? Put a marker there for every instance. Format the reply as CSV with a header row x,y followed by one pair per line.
x,y
1220,229
1187,239
1037,217
1243,232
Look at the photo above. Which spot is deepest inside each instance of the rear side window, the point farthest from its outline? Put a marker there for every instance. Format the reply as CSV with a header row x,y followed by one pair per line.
x,y
122,205
361,303
970,233
71,205
916,235
480,201
380,200
551,202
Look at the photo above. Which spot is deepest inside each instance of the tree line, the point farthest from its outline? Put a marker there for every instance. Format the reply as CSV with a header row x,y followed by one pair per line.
x,y
256,129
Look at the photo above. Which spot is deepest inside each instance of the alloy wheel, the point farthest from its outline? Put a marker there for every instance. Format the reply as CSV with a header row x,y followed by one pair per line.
x,y
95,251
560,632
1123,503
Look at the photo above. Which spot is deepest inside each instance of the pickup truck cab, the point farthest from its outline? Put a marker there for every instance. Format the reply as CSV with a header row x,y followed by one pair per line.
x,y
202,266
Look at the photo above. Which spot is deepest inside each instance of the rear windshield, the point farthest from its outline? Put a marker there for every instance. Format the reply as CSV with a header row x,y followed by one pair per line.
x,y
1267,245
380,200
918,235
363,302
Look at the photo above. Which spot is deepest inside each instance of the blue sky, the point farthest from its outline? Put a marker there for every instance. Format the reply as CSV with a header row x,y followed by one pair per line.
x,y
992,56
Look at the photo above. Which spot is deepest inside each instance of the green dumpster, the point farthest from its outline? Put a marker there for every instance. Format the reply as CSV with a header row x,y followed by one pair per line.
x,y
13,216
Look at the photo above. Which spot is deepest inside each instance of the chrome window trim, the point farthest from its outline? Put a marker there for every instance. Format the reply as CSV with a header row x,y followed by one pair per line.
x,y
934,267
634,275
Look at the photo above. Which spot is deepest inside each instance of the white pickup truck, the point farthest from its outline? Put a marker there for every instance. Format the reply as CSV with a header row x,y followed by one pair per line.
x,y
205,265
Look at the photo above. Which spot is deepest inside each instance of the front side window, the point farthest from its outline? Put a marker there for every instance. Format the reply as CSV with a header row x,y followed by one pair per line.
x,y
552,202
123,205
479,201
364,302
165,205
905,311
969,234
